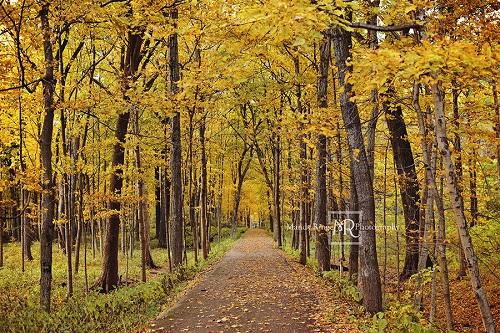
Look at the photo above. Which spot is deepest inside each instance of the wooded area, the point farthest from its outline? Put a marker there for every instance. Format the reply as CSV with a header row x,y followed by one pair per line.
x,y
138,138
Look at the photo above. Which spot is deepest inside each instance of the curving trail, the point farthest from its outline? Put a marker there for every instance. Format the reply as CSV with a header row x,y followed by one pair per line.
x,y
255,288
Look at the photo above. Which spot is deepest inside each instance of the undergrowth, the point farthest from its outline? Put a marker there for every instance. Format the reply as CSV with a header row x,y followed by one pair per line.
x,y
399,316
123,310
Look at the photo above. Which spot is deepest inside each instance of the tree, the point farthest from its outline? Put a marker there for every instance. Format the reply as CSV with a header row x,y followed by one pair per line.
x,y
242,166
203,205
177,236
408,184
46,156
109,277
369,275
323,248
457,205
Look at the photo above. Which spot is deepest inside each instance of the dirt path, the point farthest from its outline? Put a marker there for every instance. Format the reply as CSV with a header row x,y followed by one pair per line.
x,y
254,288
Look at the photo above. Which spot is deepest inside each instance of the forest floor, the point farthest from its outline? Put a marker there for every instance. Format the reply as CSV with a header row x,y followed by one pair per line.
x,y
256,287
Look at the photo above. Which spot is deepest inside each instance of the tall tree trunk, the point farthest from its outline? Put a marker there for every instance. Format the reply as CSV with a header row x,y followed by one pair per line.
x,y
109,276
408,184
177,236
320,216
2,217
474,210
159,219
354,247
426,239
46,155
457,149
241,171
497,123
143,207
203,204
304,192
77,215
276,189
456,202
191,184
372,124
441,252
433,197
2,223
270,212
369,274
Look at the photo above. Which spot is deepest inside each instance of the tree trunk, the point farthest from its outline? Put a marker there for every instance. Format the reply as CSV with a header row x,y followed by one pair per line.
x,y
159,219
46,155
443,263
369,275
320,216
2,221
497,123
203,205
408,184
270,212
241,171
426,239
354,248
143,207
109,276
372,124
177,236
276,190
456,202
457,149
77,215
433,197
474,210
191,183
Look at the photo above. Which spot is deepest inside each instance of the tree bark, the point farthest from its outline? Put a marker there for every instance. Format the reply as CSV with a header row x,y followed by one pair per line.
x,y
354,248
372,124
192,184
497,123
276,189
320,216
457,149
241,171
159,219
143,207
2,221
432,197
369,274
109,276
177,236
46,155
203,205
457,205
474,210
408,184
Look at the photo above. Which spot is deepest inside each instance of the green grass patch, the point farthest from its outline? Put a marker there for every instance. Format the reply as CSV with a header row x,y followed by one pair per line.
x,y
124,310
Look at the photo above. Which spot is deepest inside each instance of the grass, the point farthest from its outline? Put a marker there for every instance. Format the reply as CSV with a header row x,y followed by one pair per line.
x,y
124,310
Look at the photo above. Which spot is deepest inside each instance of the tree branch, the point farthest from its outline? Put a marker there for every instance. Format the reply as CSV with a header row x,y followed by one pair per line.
x,y
388,28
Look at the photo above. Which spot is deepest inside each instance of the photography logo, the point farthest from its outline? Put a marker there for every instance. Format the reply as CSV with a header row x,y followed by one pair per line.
x,y
344,227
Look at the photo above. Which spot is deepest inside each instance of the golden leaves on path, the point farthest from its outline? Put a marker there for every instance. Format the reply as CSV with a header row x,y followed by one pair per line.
x,y
256,288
